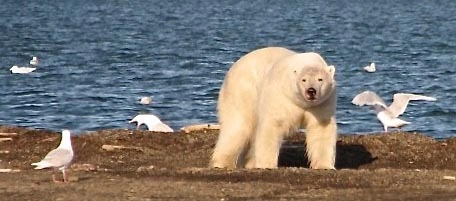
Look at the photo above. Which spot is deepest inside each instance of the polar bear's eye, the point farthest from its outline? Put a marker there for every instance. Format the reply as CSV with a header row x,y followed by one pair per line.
x,y
304,80
320,80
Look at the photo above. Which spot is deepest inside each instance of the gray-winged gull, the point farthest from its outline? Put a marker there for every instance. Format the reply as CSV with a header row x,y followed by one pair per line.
x,y
59,158
152,122
388,114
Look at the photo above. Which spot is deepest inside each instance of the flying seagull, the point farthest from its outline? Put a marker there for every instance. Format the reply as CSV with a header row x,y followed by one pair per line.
x,y
152,122
388,115
59,158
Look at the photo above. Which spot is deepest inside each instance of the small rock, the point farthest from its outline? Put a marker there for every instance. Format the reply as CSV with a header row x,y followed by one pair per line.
x,y
452,178
111,147
8,134
84,167
8,170
6,139
144,168
200,127
108,147
73,179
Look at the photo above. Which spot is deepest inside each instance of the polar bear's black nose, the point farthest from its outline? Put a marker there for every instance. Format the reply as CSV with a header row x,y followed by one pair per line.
x,y
311,92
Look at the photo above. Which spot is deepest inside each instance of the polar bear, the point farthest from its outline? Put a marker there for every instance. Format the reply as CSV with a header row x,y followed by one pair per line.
x,y
268,94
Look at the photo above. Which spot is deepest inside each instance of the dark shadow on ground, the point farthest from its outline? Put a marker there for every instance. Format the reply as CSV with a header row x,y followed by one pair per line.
x,y
350,156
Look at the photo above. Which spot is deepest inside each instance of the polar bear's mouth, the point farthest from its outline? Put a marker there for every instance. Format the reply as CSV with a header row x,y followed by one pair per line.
x,y
311,94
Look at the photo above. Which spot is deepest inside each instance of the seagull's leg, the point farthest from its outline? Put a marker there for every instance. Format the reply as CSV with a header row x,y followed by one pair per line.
x,y
400,128
65,179
54,178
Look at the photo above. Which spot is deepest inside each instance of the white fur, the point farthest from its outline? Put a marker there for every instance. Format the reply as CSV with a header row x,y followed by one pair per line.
x,y
263,98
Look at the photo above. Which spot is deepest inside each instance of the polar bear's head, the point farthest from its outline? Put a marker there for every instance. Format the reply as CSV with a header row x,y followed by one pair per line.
x,y
314,78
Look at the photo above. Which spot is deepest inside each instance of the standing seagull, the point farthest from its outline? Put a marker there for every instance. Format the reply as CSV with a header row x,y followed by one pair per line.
x,y
370,68
58,158
152,122
388,114
34,61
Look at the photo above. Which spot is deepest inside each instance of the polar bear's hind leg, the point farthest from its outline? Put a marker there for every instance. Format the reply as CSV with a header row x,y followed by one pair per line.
x,y
233,139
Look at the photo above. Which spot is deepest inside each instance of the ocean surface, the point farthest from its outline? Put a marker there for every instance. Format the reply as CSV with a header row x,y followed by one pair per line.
x,y
97,58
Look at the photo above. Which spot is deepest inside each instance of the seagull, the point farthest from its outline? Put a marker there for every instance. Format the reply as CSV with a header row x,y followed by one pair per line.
x,y
388,115
145,100
34,61
152,122
21,70
59,158
370,68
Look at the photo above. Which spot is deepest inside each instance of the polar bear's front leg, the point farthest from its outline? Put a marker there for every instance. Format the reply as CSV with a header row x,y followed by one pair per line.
x,y
321,141
267,142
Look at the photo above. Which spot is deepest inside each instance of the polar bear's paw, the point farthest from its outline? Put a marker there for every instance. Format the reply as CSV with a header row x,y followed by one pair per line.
x,y
222,164
320,165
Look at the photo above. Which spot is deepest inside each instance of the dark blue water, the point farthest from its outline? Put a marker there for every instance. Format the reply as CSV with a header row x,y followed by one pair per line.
x,y
99,57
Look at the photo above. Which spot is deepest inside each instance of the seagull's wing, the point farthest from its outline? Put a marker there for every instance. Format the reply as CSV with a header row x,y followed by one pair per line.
x,y
152,122
368,98
161,127
57,158
401,100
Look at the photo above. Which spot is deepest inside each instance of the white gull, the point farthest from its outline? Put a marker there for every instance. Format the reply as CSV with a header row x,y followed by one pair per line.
x,y
34,61
388,115
152,122
59,158
370,68
145,100
21,70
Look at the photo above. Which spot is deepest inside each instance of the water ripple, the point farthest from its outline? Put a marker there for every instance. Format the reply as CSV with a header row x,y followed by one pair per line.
x,y
97,59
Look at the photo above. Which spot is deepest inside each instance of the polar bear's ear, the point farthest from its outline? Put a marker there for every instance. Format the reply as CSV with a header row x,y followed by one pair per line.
x,y
332,70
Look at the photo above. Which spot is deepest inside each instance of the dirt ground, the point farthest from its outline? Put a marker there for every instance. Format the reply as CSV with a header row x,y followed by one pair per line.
x,y
163,166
